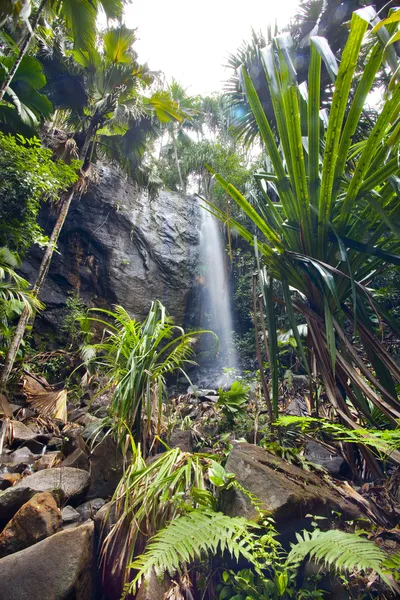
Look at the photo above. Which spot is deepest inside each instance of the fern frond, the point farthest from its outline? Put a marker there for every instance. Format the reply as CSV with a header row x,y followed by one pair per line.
x,y
188,537
383,442
339,550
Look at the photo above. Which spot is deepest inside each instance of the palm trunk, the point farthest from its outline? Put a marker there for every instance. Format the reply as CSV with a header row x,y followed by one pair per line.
x,y
43,270
22,51
177,159
66,200
258,354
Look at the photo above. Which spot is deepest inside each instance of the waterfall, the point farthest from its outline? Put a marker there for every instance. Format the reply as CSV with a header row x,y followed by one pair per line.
x,y
216,297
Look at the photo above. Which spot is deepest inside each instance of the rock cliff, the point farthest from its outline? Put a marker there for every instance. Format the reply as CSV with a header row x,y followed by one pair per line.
x,y
118,245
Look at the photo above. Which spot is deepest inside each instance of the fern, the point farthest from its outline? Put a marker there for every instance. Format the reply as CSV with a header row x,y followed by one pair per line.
x,y
383,442
340,550
188,537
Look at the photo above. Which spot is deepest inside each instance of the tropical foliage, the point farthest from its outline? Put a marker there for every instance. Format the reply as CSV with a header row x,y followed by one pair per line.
x,y
137,358
14,291
29,175
335,222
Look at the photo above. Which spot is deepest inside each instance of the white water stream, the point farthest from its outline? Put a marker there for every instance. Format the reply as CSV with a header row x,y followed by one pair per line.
x,y
217,302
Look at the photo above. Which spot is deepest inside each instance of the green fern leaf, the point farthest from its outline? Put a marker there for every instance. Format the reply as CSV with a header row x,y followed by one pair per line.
x,y
340,551
188,537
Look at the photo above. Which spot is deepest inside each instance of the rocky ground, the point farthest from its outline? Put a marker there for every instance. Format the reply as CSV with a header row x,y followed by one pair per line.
x,y
56,491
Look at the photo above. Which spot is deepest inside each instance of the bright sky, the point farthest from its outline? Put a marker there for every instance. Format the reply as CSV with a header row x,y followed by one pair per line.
x,y
190,41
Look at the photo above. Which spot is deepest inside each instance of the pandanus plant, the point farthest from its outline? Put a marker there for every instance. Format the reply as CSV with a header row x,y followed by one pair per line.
x,y
137,358
335,221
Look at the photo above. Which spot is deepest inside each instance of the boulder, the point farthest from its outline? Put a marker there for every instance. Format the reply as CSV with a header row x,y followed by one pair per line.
x,y
8,479
36,520
23,453
46,461
12,499
100,404
105,469
333,462
181,439
70,515
89,509
154,588
78,459
21,433
72,482
104,519
284,490
57,568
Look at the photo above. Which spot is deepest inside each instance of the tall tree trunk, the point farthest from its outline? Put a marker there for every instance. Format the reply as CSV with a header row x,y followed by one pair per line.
x,y
43,270
177,159
22,51
66,200
258,354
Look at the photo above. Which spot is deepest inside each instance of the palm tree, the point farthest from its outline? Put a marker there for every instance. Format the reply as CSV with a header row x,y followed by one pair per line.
x,y
117,117
335,223
314,17
80,18
178,130
25,105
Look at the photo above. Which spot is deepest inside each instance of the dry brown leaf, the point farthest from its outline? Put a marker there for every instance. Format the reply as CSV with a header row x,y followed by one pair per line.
x,y
42,398
5,408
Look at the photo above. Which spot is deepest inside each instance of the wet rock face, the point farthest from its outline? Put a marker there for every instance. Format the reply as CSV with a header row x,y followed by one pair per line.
x,y
120,246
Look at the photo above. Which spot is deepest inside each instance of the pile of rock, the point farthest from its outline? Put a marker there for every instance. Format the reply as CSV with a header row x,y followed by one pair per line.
x,y
52,486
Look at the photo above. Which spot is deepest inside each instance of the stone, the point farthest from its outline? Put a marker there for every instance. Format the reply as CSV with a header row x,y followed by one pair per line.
x,y
70,515
99,406
87,419
47,461
19,460
181,439
297,407
300,382
104,519
332,462
77,459
12,499
36,446
55,444
57,568
285,490
72,482
36,520
8,479
23,453
21,433
120,246
89,509
105,469
154,588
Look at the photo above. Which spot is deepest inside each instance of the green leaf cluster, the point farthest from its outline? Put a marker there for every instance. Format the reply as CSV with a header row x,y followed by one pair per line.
x,y
326,218
137,357
233,401
29,175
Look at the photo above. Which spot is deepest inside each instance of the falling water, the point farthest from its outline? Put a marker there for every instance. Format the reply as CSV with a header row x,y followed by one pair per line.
x,y
216,299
